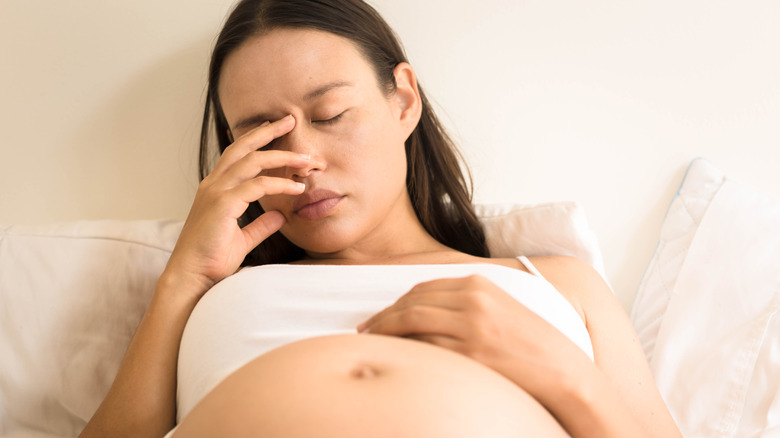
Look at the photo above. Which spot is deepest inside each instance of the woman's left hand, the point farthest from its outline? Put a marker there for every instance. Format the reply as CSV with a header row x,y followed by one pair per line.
x,y
476,318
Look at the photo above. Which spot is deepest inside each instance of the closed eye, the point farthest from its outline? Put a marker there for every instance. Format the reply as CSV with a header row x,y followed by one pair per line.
x,y
330,121
269,146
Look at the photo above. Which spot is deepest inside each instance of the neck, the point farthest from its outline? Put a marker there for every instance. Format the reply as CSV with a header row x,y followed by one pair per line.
x,y
392,241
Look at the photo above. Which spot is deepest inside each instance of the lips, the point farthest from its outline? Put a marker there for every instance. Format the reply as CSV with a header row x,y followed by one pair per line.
x,y
316,204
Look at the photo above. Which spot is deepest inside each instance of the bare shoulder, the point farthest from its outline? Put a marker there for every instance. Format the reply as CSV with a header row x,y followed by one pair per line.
x,y
575,279
568,272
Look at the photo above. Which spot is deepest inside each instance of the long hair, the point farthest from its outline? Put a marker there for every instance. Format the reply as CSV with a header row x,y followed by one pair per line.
x,y
437,186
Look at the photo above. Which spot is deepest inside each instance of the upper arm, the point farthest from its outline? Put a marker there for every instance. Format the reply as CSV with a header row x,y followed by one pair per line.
x,y
616,347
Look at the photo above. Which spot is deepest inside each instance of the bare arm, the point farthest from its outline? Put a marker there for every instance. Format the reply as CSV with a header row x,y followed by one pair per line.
x,y
613,397
617,396
142,399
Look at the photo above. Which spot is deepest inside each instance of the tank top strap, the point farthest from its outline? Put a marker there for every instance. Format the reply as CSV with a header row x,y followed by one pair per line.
x,y
531,268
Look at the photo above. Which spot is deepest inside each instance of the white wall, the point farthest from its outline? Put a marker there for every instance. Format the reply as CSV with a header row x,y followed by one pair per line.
x,y
102,102
603,102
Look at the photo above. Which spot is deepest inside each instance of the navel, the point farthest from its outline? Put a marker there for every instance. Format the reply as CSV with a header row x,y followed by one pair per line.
x,y
364,370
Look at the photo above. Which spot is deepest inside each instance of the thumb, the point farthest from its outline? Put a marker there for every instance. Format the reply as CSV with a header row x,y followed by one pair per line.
x,y
262,227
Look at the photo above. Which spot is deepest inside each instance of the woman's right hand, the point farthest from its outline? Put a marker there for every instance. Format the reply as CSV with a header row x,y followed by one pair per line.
x,y
212,245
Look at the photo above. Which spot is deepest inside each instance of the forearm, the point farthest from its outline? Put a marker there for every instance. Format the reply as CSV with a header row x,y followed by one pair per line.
x,y
588,406
616,392
142,399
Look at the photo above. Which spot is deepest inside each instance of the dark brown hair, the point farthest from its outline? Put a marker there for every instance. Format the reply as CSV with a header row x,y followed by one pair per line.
x,y
440,193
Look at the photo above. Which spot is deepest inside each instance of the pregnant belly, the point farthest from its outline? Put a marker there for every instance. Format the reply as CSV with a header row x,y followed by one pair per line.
x,y
366,386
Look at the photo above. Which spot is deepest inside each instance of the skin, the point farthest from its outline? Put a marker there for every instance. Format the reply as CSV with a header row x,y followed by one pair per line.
x,y
360,156
366,386
354,134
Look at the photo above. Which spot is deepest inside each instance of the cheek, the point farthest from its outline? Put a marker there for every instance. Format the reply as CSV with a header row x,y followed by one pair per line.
x,y
273,202
375,148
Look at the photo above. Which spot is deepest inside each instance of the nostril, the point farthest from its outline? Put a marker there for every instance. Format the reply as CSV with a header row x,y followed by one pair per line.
x,y
303,172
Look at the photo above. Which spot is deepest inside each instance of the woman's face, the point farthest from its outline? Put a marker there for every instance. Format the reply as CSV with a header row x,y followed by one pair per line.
x,y
356,197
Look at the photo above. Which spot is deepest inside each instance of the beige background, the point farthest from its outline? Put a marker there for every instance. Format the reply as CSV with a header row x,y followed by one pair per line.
x,y
603,102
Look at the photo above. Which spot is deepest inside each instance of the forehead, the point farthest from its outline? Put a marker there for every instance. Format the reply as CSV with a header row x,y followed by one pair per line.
x,y
285,64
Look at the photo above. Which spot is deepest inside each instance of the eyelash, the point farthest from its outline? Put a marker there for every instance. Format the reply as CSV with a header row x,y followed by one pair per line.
x,y
330,121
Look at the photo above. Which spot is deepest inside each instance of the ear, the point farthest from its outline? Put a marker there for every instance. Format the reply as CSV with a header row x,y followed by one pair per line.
x,y
407,97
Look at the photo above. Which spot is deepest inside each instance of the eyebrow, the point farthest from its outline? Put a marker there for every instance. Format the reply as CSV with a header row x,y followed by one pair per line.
x,y
257,119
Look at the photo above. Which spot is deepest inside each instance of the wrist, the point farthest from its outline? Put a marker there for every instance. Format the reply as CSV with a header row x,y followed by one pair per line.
x,y
563,381
175,283
583,389
587,405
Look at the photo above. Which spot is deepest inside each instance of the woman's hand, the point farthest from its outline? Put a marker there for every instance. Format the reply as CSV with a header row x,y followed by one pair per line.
x,y
476,318
212,245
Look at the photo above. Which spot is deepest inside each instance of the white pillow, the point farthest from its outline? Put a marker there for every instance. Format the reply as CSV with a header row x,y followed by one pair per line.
x,y
72,294
708,308
558,228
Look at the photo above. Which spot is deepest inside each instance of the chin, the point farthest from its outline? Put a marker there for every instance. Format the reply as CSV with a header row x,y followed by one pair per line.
x,y
323,240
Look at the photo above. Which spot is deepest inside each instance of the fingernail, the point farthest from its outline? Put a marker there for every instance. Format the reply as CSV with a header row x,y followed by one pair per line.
x,y
289,116
306,156
301,186
265,123
361,327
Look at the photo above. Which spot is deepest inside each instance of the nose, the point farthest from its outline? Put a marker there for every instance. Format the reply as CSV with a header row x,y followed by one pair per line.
x,y
299,142
298,173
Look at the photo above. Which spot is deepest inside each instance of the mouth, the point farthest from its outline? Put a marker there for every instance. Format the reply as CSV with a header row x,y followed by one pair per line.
x,y
317,204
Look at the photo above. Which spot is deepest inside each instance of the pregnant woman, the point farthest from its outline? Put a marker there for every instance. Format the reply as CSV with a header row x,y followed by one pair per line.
x,y
332,279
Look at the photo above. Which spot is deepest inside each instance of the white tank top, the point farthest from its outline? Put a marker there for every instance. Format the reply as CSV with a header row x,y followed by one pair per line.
x,y
264,307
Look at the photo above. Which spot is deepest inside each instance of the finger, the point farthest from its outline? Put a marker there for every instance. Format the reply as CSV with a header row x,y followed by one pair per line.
x,y
417,320
252,141
252,164
447,342
455,345
471,292
278,128
450,284
256,188
445,300
262,227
